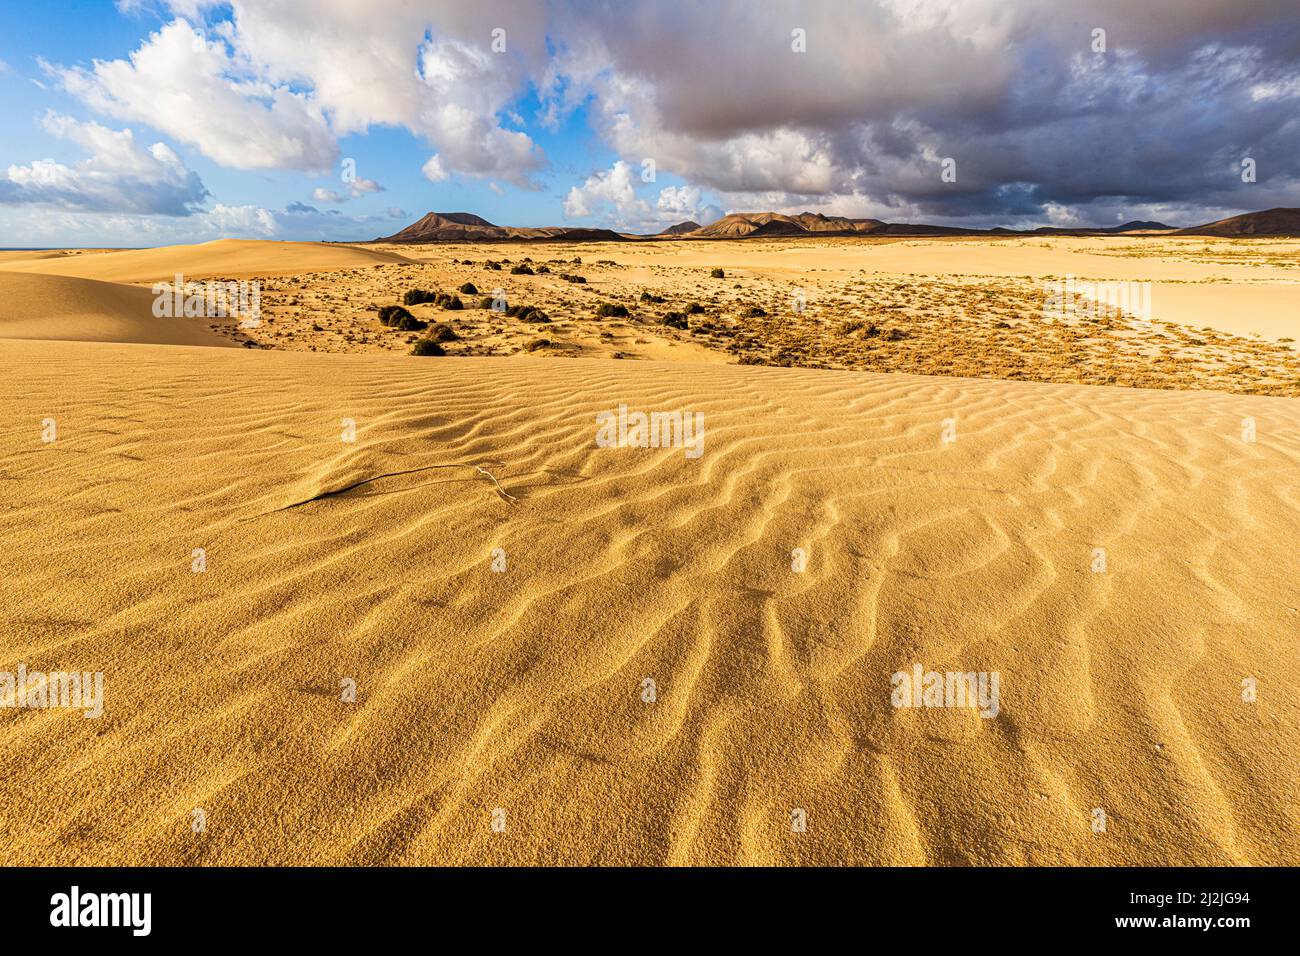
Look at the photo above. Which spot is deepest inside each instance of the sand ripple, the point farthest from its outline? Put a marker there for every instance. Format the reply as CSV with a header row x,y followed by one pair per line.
x,y
522,690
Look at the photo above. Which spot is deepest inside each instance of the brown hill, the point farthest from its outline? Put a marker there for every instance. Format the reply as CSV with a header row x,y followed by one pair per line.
x,y
740,225
1271,222
466,227
448,227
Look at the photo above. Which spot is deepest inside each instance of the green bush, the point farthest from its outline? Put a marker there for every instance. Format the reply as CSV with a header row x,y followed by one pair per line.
x,y
427,347
441,333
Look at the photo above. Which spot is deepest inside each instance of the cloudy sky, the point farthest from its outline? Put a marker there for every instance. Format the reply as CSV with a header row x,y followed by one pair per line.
x,y
149,121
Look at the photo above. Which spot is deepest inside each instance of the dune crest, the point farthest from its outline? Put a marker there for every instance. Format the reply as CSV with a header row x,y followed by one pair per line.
x,y
229,258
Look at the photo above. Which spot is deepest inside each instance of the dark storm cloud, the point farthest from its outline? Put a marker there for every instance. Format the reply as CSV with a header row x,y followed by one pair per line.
x,y
1034,118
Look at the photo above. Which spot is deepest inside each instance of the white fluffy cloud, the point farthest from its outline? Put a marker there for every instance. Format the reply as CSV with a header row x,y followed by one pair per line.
x,y
270,98
609,193
433,170
193,89
611,196
119,176
678,203
356,189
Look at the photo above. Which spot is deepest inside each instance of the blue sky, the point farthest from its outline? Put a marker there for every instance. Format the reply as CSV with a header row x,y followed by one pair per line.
x,y
148,121
77,34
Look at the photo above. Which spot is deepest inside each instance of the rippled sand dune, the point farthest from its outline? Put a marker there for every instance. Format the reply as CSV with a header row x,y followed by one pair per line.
x,y
521,691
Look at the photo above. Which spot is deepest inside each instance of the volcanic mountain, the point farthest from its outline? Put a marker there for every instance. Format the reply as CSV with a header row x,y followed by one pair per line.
x,y
1271,222
741,225
466,227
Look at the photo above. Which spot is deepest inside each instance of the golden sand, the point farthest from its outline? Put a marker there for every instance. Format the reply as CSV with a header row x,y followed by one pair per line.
x,y
522,690
446,535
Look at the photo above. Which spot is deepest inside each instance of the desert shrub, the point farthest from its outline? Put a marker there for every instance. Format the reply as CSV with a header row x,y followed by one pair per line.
x,y
694,309
408,323
441,332
468,289
610,310
752,360
393,314
417,297
543,270
754,312
868,329
675,320
521,270
648,297
536,344
527,313
486,302
718,274
453,302
427,347
490,264
571,278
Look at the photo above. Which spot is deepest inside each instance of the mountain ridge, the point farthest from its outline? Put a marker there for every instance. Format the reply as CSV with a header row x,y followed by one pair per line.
x,y
467,227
